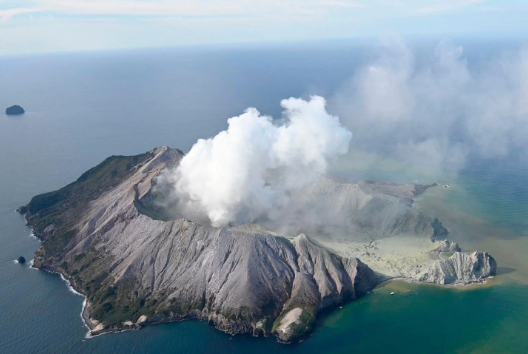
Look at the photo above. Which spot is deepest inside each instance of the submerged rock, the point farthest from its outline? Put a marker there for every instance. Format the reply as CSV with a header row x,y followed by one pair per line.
x,y
21,260
461,268
14,110
439,230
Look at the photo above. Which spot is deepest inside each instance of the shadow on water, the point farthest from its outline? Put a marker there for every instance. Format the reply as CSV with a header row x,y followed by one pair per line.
x,y
505,270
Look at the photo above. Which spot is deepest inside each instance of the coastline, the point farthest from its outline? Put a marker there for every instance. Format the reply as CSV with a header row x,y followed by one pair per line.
x,y
96,329
72,290
84,314
84,309
86,321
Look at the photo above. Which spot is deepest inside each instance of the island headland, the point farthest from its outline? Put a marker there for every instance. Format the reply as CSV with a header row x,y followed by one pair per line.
x,y
14,110
137,264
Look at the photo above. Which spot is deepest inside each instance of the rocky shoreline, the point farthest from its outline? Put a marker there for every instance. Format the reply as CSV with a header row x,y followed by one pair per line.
x,y
93,331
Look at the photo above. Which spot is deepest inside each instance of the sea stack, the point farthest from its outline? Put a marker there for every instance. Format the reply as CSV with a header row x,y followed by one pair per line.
x,y
15,110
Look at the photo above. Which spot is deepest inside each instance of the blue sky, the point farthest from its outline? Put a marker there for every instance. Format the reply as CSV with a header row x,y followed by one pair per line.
x,y
37,26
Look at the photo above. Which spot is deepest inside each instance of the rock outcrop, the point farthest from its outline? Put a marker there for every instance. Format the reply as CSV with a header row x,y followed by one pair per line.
x,y
461,268
14,110
448,246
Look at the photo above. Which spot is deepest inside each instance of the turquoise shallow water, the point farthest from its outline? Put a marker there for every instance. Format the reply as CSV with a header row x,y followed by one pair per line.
x,y
427,319
83,108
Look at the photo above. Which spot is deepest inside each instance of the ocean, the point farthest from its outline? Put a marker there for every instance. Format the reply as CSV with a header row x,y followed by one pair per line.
x,y
84,107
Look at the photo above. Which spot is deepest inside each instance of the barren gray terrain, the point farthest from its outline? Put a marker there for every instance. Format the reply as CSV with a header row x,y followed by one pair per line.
x,y
137,263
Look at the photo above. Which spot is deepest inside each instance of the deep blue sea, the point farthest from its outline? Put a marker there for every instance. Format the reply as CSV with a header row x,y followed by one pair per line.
x,y
83,107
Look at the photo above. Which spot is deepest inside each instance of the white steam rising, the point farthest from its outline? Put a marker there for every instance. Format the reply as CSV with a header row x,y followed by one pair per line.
x,y
438,110
433,111
247,172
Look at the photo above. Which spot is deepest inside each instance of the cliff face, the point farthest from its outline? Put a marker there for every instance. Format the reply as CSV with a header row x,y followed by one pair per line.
x,y
137,265
461,268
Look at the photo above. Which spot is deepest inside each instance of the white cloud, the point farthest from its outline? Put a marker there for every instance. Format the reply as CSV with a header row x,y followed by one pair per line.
x,y
232,21
174,8
446,6
338,3
9,13
230,7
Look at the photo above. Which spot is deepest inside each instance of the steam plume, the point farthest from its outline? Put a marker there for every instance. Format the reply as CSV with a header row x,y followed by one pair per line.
x,y
248,171
440,110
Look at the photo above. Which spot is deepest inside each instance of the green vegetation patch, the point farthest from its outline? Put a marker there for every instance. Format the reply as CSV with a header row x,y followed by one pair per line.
x,y
53,217
66,204
303,325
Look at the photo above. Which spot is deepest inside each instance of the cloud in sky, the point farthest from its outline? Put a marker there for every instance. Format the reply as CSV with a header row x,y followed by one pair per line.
x,y
9,13
191,8
350,4
199,8
447,6
28,26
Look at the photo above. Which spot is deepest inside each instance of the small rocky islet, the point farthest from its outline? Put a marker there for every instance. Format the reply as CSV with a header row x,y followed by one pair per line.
x,y
137,265
15,110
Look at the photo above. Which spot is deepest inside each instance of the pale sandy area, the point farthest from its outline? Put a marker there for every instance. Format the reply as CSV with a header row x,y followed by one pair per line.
x,y
291,317
398,256
508,248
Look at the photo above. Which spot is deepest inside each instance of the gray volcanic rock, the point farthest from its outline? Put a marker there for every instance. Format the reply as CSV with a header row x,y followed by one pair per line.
x,y
461,268
322,280
14,110
242,279
448,246
138,265
371,210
